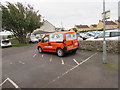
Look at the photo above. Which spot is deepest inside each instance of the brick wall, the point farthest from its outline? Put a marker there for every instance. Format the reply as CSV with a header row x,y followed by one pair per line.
x,y
112,46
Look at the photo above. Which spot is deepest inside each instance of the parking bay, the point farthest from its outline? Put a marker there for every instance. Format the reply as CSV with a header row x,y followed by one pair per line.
x,y
30,69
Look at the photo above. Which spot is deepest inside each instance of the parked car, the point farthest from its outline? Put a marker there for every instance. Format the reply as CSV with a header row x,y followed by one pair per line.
x,y
5,43
59,42
33,39
109,35
80,37
89,35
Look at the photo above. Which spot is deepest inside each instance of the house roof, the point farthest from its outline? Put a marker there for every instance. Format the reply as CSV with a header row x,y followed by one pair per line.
x,y
40,32
118,20
94,25
82,26
110,23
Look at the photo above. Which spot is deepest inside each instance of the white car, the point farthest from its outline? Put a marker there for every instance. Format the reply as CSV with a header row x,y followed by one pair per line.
x,y
109,35
33,39
5,43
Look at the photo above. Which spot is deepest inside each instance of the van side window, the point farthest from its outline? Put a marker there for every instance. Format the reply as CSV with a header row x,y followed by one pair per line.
x,y
46,39
114,34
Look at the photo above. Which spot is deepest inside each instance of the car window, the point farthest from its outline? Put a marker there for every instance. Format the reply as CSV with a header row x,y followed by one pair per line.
x,y
71,36
5,41
45,39
107,34
114,34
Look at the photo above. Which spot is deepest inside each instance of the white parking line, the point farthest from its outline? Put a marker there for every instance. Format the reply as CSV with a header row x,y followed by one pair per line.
x,y
62,61
42,55
76,62
34,55
63,74
3,82
11,81
51,59
21,62
14,84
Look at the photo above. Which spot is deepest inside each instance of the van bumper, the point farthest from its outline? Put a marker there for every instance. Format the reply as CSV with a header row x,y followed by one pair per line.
x,y
73,49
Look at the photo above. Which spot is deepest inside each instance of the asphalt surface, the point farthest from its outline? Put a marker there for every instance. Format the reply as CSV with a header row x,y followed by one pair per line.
x,y
24,67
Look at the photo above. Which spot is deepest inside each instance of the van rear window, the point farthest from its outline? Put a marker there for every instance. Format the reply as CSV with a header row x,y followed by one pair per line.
x,y
71,36
57,37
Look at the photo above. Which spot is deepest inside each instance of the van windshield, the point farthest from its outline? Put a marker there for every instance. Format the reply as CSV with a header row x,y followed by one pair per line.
x,y
71,36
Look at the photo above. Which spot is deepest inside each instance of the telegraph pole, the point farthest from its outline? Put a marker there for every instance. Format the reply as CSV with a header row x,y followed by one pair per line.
x,y
104,41
62,25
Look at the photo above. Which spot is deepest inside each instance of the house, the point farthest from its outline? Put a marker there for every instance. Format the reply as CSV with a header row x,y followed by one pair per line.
x,y
109,25
46,27
82,27
93,27
118,23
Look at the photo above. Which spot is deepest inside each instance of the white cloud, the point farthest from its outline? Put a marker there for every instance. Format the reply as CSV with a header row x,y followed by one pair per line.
x,y
71,12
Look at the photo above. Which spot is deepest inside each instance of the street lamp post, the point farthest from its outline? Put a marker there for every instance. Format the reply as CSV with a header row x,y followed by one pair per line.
x,y
104,41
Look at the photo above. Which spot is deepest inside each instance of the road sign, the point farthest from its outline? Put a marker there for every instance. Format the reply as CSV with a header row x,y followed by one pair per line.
x,y
107,14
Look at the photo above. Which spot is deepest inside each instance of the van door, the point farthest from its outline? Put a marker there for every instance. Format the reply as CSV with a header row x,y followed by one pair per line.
x,y
71,41
46,46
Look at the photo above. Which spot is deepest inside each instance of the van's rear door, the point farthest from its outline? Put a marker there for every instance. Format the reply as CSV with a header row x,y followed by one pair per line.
x,y
71,41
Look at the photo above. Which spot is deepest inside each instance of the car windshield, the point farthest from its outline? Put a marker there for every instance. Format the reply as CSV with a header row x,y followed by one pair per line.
x,y
5,41
33,38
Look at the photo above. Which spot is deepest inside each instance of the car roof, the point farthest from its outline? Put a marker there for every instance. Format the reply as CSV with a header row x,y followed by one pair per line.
x,y
114,30
4,39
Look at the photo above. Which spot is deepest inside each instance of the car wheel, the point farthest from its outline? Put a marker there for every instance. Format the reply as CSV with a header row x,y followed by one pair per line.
x,y
60,52
40,50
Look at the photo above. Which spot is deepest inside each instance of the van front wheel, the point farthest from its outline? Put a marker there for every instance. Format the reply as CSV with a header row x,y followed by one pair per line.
x,y
40,50
60,52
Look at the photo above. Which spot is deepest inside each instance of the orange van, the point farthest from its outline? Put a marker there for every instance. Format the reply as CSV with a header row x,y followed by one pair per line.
x,y
59,42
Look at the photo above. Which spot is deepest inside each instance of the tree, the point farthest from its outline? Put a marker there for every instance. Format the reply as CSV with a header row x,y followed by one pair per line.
x,y
20,20
74,29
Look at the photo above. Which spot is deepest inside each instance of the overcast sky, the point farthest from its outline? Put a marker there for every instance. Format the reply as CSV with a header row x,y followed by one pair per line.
x,y
71,12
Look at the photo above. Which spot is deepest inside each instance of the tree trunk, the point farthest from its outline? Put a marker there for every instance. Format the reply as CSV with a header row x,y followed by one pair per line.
x,y
22,39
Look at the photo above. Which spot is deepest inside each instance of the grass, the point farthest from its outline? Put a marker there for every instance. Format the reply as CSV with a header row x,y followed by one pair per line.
x,y
20,45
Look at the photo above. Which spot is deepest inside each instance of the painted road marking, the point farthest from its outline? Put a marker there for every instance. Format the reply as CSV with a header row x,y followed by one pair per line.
x,y
51,59
76,62
3,82
63,74
11,81
21,62
62,61
34,55
14,84
42,55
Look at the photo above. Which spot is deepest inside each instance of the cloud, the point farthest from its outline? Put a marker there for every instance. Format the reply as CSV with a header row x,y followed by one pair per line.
x,y
72,12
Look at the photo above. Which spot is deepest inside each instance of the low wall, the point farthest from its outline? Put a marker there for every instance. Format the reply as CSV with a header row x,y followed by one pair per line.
x,y
112,46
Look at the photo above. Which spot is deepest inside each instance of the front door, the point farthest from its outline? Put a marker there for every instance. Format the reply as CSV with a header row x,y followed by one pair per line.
x,y
45,44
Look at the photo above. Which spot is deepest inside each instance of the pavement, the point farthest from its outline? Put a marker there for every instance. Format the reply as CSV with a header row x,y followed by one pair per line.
x,y
24,67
